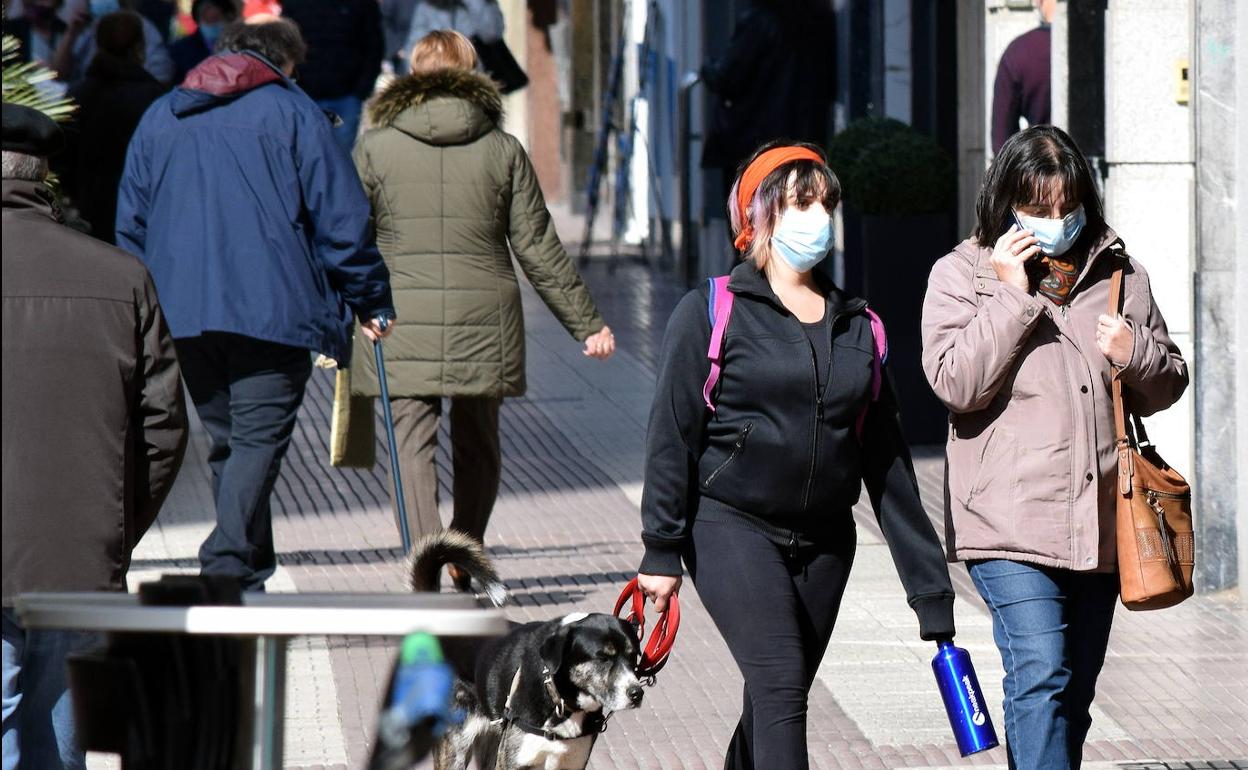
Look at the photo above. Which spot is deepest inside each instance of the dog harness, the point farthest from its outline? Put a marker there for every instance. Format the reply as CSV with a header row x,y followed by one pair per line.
x,y
719,308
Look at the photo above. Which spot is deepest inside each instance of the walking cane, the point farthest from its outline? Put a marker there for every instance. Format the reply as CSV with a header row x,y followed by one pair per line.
x,y
395,476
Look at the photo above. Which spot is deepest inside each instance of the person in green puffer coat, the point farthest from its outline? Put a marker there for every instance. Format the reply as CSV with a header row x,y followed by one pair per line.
x,y
450,191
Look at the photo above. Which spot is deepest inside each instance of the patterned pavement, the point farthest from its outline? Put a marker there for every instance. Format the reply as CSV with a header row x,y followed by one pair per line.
x,y
1174,692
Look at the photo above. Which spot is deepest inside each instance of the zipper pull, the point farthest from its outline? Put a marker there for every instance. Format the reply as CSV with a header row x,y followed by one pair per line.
x,y
793,545
1155,504
819,408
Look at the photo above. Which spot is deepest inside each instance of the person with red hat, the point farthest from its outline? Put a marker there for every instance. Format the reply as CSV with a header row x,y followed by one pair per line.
x,y
759,444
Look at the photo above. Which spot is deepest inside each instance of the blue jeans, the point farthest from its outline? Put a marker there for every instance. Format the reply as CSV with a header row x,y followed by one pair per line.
x,y
38,713
247,393
349,108
1052,628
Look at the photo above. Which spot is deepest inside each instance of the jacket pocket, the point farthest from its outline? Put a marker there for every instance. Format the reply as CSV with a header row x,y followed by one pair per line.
x,y
993,484
737,446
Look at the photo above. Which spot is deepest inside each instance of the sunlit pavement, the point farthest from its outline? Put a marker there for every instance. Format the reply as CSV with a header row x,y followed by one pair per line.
x,y
565,536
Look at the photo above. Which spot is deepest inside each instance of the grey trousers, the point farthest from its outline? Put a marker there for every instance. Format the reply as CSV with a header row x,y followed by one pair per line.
x,y
476,462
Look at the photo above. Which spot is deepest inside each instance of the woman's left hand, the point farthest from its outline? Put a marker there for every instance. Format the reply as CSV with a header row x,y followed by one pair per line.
x,y
1114,338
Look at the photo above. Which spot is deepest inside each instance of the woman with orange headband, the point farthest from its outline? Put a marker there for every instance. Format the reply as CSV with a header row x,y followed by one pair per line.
x,y
752,472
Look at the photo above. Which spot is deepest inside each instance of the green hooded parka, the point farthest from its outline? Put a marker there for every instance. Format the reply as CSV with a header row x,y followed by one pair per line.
x,y
449,191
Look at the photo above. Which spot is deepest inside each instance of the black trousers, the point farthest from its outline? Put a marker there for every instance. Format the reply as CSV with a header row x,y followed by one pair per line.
x,y
776,612
247,393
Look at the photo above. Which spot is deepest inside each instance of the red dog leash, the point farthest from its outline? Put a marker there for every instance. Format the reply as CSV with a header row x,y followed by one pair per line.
x,y
659,646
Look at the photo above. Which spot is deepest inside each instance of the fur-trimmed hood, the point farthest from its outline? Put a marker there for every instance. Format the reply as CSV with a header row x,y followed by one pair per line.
x,y
443,107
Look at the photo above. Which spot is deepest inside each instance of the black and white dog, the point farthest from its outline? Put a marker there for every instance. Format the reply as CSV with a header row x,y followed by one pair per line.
x,y
538,696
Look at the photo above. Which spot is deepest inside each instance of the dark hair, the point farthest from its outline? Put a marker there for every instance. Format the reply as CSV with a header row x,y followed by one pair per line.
x,y
120,35
1027,164
278,41
229,8
813,182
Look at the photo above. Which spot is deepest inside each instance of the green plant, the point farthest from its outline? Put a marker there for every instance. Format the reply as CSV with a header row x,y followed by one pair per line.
x,y
886,167
23,84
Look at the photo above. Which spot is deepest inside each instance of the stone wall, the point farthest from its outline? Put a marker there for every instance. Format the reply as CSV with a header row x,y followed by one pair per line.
x,y
1221,263
1149,189
1241,282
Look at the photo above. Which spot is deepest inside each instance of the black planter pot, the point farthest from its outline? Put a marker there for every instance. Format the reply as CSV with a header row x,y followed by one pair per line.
x,y
887,261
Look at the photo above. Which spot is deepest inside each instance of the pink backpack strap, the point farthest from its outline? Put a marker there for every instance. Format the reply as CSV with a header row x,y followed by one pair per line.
x,y
719,308
880,340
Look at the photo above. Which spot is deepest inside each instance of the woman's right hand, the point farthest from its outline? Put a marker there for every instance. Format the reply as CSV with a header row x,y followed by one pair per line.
x,y
600,344
1009,258
658,588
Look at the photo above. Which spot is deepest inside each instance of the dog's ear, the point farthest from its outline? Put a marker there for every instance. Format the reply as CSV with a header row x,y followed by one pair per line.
x,y
630,632
553,647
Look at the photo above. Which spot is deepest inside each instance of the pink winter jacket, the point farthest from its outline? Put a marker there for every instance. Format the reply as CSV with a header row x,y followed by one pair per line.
x,y
1031,468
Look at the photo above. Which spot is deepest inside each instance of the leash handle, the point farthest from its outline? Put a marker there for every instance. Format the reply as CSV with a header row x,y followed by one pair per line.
x,y
658,648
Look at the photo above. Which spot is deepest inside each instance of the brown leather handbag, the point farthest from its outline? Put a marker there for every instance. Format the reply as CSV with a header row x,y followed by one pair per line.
x,y
1156,544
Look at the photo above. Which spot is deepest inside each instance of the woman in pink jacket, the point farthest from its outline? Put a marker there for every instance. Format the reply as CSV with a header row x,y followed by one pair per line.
x,y
1019,345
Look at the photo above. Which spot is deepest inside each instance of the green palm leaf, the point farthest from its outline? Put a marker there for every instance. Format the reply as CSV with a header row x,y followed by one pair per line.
x,y
22,84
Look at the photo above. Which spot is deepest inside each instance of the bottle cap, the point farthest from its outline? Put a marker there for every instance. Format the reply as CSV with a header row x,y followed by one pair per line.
x,y
420,648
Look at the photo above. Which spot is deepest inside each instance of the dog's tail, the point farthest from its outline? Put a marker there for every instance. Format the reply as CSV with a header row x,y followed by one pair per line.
x,y
432,552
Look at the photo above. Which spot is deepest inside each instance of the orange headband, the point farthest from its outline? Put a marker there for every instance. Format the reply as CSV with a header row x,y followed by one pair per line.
x,y
754,175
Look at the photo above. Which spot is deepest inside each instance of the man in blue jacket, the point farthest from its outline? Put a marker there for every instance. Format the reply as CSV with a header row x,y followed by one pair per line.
x,y
256,230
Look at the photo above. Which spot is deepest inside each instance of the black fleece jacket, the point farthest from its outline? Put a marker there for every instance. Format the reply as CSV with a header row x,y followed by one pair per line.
x,y
776,452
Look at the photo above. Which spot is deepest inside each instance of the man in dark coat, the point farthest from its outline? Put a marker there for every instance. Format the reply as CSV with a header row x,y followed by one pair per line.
x,y
211,18
777,78
345,49
111,100
257,231
94,430
1023,88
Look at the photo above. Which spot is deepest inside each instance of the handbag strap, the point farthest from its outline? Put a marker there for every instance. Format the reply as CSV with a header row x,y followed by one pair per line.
x,y
1120,419
1120,411
1123,439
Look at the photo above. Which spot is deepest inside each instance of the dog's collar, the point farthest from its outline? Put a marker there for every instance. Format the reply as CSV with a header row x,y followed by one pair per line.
x,y
594,722
548,681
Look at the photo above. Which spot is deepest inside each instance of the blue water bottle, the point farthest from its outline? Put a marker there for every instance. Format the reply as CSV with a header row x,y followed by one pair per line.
x,y
420,709
964,700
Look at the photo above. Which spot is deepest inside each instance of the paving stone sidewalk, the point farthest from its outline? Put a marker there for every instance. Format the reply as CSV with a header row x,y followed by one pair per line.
x,y
565,536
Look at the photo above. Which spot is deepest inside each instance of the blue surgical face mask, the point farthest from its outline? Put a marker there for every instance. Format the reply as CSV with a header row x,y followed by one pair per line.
x,y
803,237
211,33
104,7
1056,236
